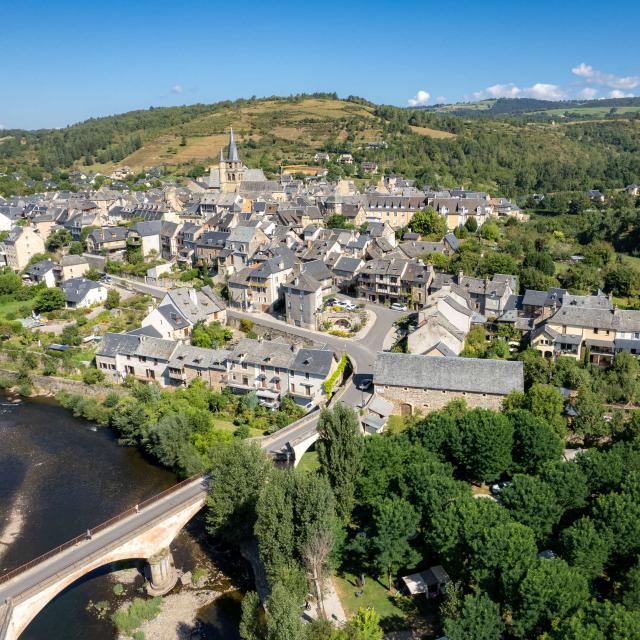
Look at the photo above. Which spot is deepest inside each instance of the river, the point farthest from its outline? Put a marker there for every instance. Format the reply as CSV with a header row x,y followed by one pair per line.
x,y
60,475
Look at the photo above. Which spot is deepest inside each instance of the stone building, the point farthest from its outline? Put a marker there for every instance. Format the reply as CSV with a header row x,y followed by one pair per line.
x,y
422,383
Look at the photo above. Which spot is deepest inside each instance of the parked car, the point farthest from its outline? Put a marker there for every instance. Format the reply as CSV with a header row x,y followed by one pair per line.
x,y
347,305
396,306
331,302
498,487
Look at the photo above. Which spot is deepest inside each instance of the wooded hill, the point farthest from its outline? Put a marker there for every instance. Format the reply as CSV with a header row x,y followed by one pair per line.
x,y
505,156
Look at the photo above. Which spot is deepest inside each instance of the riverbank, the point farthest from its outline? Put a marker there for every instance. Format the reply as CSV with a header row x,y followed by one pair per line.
x,y
60,475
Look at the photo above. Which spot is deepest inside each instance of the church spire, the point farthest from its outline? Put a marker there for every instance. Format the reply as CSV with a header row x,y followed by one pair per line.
x,y
233,150
222,155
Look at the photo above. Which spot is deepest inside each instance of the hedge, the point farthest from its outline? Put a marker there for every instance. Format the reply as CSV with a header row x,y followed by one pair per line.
x,y
332,379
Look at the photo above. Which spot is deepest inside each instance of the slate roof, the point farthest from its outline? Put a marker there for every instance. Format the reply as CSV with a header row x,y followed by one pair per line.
x,y
149,228
313,361
199,358
117,343
471,375
274,354
40,268
76,289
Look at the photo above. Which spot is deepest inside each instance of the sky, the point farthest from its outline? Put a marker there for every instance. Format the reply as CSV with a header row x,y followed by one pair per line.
x,y
63,62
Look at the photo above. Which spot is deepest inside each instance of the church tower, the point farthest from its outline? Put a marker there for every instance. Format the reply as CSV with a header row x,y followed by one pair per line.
x,y
231,170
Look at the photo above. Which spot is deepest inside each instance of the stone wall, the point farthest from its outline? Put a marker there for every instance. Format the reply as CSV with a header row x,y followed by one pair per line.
x,y
427,400
272,334
50,385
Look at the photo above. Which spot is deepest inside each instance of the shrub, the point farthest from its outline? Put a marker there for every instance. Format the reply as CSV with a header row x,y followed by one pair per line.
x,y
92,376
139,611
333,378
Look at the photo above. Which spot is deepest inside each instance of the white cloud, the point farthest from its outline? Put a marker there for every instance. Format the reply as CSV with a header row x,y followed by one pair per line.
x,y
588,93
421,98
508,90
544,91
616,93
177,88
590,74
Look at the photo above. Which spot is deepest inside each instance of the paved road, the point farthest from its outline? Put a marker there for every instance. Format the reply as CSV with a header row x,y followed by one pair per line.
x,y
97,545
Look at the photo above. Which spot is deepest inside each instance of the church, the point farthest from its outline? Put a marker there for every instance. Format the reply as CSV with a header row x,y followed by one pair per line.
x,y
230,173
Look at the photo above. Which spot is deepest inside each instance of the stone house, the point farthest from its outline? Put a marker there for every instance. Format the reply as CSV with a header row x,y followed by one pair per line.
x,y
189,363
71,267
417,382
182,308
80,293
302,300
43,271
107,240
146,236
19,247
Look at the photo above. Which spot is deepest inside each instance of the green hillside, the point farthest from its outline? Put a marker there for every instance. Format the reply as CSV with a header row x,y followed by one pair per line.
x,y
504,155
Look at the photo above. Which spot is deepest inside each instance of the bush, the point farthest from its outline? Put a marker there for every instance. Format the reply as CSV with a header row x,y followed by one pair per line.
x,y
333,378
92,376
246,326
118,589
139,611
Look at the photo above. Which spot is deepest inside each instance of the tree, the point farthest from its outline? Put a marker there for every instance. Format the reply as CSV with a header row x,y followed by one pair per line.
x,y
49,300
617,517
501,557
170,440
70,335
590,422
365,625
10,282
550,592
494,262
471,225
585,548
340,453
428,223
546,402
240,471
454,529
251,623
532,502
622,280
490,231
623,379
600,621
130,420
395,522
283,615
113,299
534,442
315,554
486,442
479,619
569,483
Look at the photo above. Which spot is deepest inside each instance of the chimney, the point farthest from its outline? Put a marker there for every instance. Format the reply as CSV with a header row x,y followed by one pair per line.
x,y
460,276
193,296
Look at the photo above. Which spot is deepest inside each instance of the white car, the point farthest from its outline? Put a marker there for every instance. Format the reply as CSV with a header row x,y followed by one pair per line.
x,y
346,304
396,306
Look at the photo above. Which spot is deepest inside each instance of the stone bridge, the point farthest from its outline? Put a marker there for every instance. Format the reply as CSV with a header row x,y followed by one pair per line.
x,y
143,532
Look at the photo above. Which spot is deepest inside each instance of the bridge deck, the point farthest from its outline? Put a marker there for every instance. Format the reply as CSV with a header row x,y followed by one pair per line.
x,y
22,582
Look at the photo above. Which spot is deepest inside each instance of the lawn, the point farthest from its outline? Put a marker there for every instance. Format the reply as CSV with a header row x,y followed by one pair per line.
x,y
227,425
375,595
16,309
309,462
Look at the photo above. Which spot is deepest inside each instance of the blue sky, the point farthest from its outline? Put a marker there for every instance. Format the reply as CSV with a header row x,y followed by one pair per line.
x,y
62,62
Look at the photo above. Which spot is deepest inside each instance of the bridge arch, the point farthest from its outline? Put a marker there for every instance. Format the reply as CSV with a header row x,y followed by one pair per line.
x,y
149,543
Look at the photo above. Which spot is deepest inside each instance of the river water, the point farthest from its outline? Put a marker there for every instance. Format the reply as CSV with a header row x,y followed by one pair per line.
x,y
60,475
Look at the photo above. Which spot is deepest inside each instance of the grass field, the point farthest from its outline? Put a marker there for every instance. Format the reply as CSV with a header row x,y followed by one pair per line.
x,y
432,133
309,462
227,425
305,122
17,308
375,595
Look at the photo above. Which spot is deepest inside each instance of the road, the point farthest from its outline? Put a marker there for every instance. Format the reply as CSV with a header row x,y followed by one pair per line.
x,y
83,552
